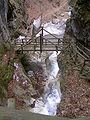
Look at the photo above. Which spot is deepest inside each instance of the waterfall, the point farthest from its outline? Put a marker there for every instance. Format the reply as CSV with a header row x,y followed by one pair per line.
x,y
47,104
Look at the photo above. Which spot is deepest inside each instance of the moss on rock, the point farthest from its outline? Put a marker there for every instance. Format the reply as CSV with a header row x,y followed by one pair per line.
x,y
6,68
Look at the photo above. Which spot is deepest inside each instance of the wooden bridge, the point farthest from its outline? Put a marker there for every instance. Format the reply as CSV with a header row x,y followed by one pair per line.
x,y
41,43
52,42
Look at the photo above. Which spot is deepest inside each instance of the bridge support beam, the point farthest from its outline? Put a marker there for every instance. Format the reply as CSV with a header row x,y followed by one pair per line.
x,y
41,42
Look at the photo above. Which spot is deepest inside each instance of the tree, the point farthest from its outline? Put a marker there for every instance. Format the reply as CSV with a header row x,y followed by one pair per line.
x,y
4,33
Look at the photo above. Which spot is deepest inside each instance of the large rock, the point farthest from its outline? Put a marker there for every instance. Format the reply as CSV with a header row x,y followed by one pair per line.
x,y
12,17
9,114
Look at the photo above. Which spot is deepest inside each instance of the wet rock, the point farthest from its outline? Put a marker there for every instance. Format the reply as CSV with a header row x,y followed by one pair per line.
x,y
80,21
62,15
55,21
11,103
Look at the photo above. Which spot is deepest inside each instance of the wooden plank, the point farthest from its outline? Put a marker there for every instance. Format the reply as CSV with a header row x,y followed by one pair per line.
x,y
32,43
83,53
41,42
42,50
86,50
75,50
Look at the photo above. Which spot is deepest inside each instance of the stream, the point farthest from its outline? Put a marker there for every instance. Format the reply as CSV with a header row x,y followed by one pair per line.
x,y
47,104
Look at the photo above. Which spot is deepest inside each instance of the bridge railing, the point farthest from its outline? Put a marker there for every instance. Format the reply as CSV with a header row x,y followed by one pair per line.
x,y
84,53
55,41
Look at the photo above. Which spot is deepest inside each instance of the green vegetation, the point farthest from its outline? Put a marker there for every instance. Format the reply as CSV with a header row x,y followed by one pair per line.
x,y
4,47
6,73
6,70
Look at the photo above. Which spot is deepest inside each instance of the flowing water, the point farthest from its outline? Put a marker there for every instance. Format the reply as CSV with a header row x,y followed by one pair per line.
x,y
47,104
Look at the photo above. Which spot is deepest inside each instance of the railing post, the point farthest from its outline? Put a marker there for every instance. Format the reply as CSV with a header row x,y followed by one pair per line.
x,y
15,42
34,48
83,67
32,32
56,49
58,41
45,42
76,58
25,40
41,42
22,42
42,35
22,48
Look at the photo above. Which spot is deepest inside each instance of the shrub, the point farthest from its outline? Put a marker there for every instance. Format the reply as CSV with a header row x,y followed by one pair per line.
x,y
6,74
6,70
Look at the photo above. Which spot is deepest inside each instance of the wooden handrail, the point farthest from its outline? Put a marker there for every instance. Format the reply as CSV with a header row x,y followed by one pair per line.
x,y
84,48
51,34
49,41
34,39
82,52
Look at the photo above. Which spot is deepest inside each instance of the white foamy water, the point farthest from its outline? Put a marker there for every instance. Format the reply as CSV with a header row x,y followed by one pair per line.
x,y
56,29
47,104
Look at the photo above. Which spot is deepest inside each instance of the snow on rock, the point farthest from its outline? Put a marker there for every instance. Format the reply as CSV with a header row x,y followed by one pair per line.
x,y
37,22
47,105
39,107
29,102
56,29
16,65
55,21
21,37
69,10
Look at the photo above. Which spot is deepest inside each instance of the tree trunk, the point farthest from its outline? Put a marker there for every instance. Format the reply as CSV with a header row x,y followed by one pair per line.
x,y
4,33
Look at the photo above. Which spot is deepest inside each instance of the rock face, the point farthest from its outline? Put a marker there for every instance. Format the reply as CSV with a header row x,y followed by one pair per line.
x,y
80,21
12,17
4,9
4,33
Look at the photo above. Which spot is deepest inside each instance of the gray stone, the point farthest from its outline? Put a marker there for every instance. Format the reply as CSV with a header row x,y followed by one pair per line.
x,y
11,103
9,114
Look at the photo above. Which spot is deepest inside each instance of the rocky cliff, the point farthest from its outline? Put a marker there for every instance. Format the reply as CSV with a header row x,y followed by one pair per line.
x,y
75,61
80,21
12,18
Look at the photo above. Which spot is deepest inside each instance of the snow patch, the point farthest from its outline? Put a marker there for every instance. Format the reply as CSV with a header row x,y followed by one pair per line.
x,y
56,29
37,22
